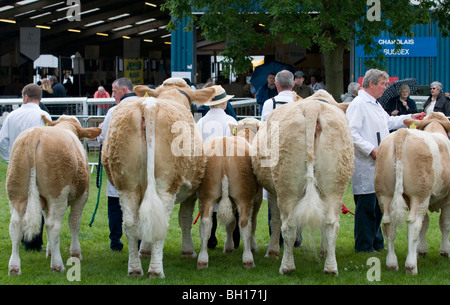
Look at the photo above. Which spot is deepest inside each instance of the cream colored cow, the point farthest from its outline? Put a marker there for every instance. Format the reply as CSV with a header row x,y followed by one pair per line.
x,y
153,155
412,172
229,181
48,171
303,157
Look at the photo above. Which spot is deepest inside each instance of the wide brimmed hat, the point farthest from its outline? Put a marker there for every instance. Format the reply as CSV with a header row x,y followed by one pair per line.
x,y
220,96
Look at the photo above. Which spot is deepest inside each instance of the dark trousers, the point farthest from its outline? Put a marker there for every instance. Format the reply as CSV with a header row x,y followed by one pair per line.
x,y
368,235
115,223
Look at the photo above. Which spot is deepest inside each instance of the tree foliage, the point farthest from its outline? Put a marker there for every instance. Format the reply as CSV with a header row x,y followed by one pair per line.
x,y
329,24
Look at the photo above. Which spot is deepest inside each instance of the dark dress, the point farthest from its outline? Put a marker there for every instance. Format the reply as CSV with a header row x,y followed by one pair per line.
x,y
395,104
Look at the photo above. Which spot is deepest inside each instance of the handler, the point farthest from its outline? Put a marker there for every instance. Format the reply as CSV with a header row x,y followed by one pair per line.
x,y
367,118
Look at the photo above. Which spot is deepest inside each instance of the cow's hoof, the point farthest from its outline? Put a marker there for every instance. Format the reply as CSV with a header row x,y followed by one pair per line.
x,y
422,254
330,272
135,272
287,270
14,270
272,255
156,274
410,269
444,254
58,268
392,267
249,265
145,253
189,254
76,254
202,265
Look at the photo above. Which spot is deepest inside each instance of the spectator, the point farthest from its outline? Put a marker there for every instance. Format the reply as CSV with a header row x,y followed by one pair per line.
x,y
27,116
266,91
315,85
47,90
58,91
300,87
437,101
352,92
102,109
401,104
122,90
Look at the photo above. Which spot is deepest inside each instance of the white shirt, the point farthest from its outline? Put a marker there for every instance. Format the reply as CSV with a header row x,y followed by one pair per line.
x,y
317,86
215,124
366,117
111,191
283,96
27,116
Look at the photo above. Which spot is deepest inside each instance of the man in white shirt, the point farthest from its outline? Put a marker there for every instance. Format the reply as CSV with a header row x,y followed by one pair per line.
x,y
122,90
369,123
29,115
284,81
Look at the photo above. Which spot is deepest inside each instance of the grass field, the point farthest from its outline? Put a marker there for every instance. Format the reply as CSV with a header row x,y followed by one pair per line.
x,y
101,266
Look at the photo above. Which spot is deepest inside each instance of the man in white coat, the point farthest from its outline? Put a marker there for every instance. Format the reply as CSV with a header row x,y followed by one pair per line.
x,y
122,90
369,124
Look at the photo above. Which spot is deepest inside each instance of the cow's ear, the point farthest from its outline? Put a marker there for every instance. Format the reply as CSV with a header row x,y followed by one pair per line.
x,y
343,106
47,121
417,123
233,128
201,96
89,133
142,91
408,122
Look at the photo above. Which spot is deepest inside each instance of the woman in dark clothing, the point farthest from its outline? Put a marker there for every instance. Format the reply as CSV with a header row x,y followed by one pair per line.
x,y
401,104
437,102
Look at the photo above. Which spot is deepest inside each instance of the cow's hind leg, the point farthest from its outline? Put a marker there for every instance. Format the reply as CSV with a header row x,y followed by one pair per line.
x,y
415,219
185,222
330,232
76,209
275,226
206,210
245,229
16,233
422,248
444,225
53,222
130,207
390,232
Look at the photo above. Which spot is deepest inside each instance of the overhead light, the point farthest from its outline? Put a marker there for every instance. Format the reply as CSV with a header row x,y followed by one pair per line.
x,y
7,21
262,25
67,7
122,28
74,30
126,37
167,42
90,11
40,15
148,40
145,21
25,2
6,7
26,13
150,4
148,31
167,35
52,5
102,34
119,16
94,23
43,27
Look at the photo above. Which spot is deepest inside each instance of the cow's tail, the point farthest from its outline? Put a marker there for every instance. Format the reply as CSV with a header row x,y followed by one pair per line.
x,y
153,215
310,209
225,210
398,205
32,219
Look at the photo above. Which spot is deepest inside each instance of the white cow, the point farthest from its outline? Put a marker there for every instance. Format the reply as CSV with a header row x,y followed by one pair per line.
x,y
413,172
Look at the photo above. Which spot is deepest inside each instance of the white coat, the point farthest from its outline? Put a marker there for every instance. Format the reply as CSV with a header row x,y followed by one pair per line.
x,y
366,117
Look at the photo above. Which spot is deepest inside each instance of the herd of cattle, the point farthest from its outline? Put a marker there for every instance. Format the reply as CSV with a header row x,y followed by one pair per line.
x,y
154,155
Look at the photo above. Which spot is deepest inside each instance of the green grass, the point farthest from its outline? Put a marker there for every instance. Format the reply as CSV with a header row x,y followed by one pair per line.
x,y
101,266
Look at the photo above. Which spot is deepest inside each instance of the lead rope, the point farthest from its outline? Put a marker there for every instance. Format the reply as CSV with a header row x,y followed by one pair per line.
x,y
99,184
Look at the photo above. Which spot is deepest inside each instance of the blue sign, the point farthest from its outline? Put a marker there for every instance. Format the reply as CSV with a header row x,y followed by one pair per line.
x,y
411,47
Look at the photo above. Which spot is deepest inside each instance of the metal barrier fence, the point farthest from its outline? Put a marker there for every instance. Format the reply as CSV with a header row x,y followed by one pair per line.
x,y
85,109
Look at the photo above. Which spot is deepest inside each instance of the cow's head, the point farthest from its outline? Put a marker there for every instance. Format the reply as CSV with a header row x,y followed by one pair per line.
x,y
177,90
246,128
71,123
434,122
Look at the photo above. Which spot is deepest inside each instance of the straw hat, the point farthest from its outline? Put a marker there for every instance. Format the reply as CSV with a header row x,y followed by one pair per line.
x,y
220,96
